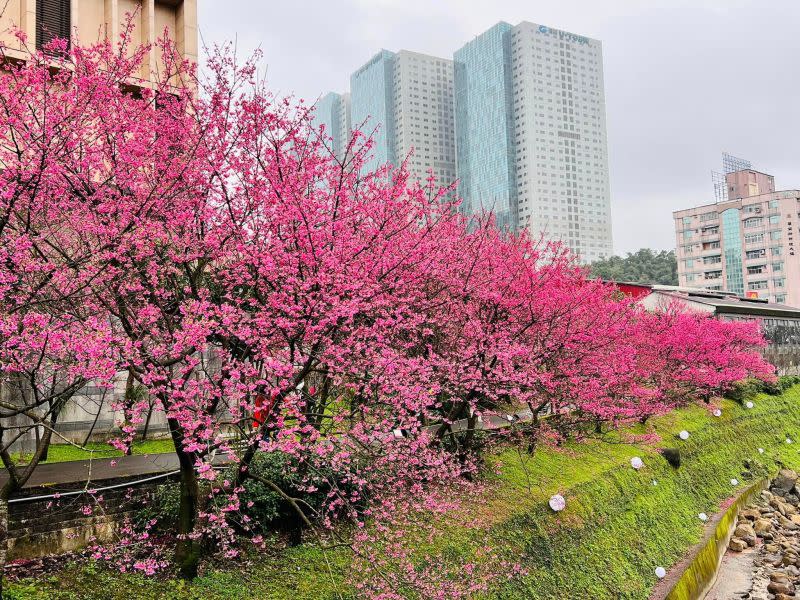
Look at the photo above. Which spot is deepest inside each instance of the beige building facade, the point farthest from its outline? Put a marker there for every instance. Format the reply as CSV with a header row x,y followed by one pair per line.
x,y
89,21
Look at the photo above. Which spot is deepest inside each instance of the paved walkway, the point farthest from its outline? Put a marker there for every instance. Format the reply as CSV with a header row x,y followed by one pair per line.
x,y
99,469
104,469
735,576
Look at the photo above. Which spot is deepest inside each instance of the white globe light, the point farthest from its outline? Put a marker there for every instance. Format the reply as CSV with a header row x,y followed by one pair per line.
x,y
637,463
734,481
749,404
655,482
761,451
788,440
661,572
703,517
684,435
557,502
717,413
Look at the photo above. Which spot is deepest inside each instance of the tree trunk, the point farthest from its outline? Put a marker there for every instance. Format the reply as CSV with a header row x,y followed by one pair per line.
x,y
147,422
187,550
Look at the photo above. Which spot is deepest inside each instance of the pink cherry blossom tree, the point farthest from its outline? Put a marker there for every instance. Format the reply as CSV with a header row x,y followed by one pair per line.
x,y
272,298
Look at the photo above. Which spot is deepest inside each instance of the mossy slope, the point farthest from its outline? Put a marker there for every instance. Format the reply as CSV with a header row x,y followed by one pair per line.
x,y
618,525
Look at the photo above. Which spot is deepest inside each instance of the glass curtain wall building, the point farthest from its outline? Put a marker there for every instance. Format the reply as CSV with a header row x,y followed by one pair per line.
x,y
530,109
333,111
371,106
484,127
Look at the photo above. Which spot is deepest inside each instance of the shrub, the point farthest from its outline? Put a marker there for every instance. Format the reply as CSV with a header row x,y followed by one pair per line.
x,y
162,508
268,509
745,390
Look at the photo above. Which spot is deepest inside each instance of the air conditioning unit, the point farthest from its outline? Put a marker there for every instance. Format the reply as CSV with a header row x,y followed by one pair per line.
x,y
758,209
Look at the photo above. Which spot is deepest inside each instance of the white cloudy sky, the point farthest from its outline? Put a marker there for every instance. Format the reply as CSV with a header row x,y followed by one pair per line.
x,y
685,79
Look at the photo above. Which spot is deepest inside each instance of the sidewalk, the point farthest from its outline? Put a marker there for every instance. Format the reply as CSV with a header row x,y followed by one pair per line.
x,y
99,470
104,469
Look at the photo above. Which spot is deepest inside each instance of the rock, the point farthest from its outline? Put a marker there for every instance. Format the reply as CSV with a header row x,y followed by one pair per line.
x,y
744,529
762,526
771,548
781,588
767,495
783,597
751,514
779,577
784,481
737,545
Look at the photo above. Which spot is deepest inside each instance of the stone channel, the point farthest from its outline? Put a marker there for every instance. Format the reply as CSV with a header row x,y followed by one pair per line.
x,y
763,557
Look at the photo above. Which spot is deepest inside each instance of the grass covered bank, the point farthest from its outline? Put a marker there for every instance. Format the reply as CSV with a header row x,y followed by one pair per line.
x,y
617,527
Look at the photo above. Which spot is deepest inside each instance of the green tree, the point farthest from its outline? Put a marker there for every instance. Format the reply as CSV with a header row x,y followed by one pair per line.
x,y
644,266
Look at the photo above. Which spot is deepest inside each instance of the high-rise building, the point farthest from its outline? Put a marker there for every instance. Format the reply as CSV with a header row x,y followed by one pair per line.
x,y
744,243
371,90
406,98
87,20
531,133
333,111
485,126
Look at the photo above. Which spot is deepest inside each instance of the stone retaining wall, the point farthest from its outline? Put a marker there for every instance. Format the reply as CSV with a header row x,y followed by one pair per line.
x,y
699,576
57,525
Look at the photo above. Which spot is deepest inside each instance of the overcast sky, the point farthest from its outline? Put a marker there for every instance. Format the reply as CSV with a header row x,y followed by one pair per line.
x,y
684,79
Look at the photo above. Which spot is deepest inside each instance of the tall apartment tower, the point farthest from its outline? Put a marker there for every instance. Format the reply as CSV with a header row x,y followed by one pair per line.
x,y
531,133
90,20
406,98
744,243
333,111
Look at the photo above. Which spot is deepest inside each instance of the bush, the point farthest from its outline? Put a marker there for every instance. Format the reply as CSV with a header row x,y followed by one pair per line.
x,y
745,390
162,508
269,510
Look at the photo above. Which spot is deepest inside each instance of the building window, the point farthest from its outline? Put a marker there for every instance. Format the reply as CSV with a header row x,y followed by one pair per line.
x,y
779,283
753,222
713,274
774,235
777,267
757,285
753,238
756,270
52,21
755,253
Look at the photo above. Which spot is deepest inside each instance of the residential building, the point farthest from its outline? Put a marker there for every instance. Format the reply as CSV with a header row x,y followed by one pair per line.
x,y
90,20
531,133
405,101
744,244
333,111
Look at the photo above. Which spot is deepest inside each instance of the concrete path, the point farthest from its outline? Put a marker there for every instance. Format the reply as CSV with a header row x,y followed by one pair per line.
x,y
735,576
104,469
98,470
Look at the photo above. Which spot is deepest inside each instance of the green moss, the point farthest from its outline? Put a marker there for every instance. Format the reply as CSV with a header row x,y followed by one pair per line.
x,y
617,527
